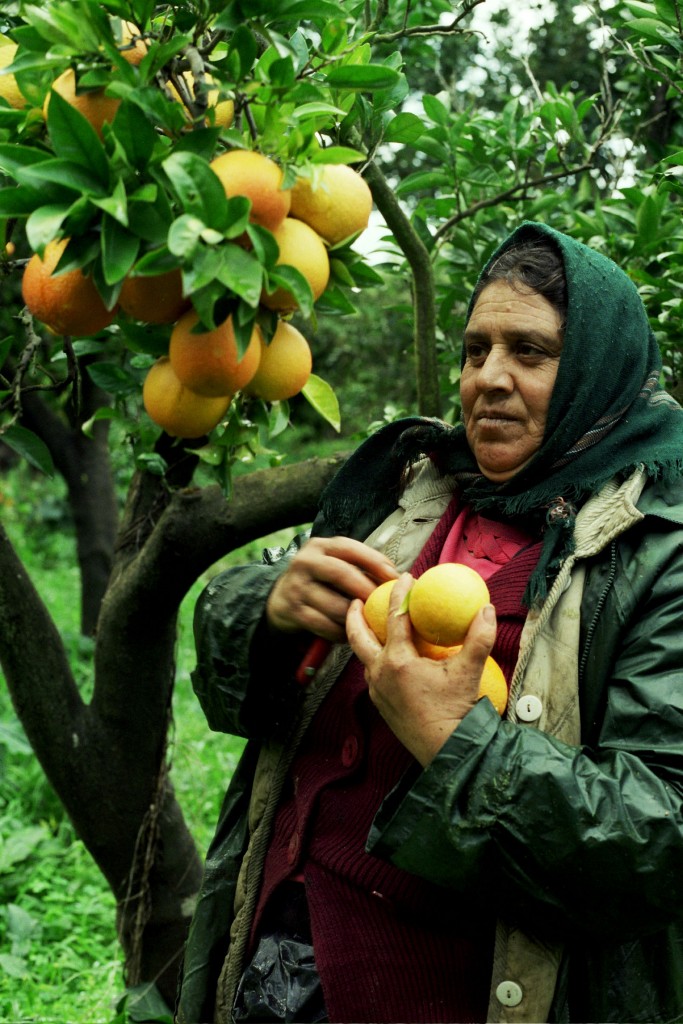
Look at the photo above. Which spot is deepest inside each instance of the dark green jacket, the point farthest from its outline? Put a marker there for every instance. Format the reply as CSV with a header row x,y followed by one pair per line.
x,y
579,844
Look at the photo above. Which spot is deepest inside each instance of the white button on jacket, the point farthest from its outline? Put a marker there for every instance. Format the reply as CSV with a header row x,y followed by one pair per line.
x,y
529,708
509,993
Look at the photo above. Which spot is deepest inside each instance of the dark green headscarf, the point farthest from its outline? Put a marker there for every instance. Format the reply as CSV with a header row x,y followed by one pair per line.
x,y
608,413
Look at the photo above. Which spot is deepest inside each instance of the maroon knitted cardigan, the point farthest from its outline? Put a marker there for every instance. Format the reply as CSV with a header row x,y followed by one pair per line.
x,y
389,946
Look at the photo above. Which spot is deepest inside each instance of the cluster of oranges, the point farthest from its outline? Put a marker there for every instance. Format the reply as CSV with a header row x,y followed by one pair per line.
x,y
188,391
441,605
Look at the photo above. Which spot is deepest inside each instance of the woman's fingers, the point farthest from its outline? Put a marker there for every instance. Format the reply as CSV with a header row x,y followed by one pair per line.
x,y
323,578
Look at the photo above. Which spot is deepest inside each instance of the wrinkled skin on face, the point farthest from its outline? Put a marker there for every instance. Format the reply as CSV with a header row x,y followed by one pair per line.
x,y
513,343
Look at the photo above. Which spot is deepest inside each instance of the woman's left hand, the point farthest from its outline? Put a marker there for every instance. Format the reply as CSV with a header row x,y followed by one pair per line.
x,y
421,700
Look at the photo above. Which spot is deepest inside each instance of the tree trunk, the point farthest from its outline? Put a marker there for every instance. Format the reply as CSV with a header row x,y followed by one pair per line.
x,y
107,760
84,463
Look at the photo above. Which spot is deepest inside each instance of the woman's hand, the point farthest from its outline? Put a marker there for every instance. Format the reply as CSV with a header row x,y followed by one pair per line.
x,y
315,591
422,701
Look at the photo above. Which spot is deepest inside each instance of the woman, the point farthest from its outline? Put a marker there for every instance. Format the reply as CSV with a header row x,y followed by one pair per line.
x,y
390,848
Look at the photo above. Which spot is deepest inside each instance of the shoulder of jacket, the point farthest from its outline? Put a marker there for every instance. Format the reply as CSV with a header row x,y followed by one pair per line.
x,y
663,499
425,483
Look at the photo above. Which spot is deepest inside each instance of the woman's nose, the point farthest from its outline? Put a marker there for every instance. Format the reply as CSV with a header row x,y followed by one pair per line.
x,y
495,371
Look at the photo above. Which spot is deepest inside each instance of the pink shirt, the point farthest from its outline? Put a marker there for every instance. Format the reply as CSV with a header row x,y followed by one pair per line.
x,y
483,544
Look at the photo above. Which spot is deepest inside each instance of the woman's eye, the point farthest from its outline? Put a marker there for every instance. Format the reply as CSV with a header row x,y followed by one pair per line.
x,y
475,352
527,349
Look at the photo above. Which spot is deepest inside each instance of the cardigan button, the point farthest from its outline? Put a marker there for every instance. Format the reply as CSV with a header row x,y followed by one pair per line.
x,y
349,753
529,708
509,993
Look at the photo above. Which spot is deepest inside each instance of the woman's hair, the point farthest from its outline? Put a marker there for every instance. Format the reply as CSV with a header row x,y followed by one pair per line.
x,y
536,263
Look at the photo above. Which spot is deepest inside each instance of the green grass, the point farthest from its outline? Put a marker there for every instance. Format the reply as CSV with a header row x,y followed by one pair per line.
x,y
60,962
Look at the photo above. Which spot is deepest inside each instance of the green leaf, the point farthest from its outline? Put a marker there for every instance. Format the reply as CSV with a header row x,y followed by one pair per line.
x,y
13,737
423,181
435,110
119,250
30,447
405,127
14,966
318,11
323,399
338,155
19,202
135,134
45,223
647,220
314,108
650,29
74,139
113,379
211,454
116,205
69,175
184,235
363,77
668,11
198,188
244,44
13,158
291,279
241,272
10,118
5,347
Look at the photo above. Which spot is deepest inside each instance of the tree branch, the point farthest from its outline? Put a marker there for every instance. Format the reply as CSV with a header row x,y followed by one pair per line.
x,y
36,666
514,192
424,301
428,30
198,526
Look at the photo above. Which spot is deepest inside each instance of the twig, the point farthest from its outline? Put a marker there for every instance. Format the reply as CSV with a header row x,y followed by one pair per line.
x,y
429,30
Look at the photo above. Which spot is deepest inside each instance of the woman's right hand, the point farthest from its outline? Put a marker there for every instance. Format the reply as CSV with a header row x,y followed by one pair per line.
x,y
325,575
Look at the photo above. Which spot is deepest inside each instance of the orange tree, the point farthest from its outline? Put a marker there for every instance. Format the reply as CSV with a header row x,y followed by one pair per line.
x,y
119,125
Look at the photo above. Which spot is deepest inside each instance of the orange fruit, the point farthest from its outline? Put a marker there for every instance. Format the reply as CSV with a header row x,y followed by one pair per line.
x,y
376,609
243,172
154,300
336,202
9,90
179,411
493,683
220,112
66,303
284,367
444,600
207,362
93,104
302,248
133,47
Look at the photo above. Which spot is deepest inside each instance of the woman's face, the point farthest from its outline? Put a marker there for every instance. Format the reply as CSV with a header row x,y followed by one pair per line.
x,y
513,343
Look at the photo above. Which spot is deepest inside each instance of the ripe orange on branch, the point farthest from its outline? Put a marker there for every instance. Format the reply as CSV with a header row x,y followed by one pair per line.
x,y
336,202
179,411
208,362
285,365
157,299
243,172
67,303
221,112
93,104
302,248
9,90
